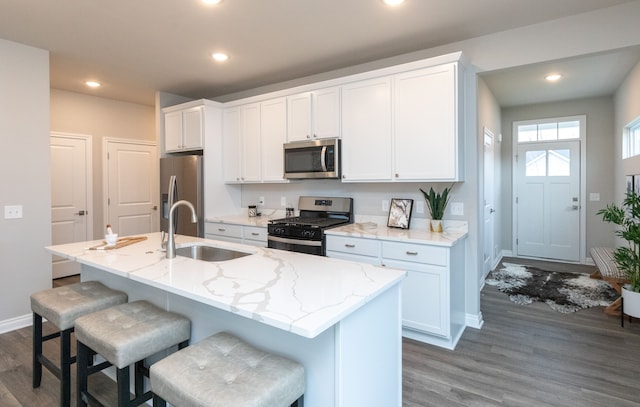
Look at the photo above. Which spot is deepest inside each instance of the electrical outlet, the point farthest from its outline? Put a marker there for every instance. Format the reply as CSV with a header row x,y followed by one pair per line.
x,y
283,201
13,211
457,208
385,205
261,200
420,207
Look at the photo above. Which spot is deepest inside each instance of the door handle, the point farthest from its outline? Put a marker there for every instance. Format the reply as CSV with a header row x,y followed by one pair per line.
x,y
155,207
575,207
80,213
492,210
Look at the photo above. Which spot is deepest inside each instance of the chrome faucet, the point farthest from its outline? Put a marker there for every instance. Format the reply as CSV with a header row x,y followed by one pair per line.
x,y
171,241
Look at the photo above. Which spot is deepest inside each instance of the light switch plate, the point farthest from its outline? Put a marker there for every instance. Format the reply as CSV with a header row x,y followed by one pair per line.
x,y
420,207
13,211
594,197
385,205
457,208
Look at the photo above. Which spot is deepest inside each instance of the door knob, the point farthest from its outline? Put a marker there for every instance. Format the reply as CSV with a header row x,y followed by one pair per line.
x,y
155,207
492,210
80,213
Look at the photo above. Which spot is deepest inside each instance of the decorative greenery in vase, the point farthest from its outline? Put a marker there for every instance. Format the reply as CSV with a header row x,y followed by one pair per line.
x,y
627,216
437,203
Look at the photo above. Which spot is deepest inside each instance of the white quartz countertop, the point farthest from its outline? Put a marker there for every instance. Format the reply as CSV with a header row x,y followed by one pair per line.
x,y
417,234
295,292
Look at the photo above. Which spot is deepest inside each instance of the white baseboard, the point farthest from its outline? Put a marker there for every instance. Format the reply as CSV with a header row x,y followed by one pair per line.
x,y
474,321
12,324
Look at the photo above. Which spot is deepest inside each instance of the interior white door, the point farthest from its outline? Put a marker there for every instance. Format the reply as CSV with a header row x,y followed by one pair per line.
x,y
489,235
71,173
132,192
548,200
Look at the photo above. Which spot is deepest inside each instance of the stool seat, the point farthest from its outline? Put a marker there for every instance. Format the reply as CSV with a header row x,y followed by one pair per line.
x,y
63,305
222,370
130,332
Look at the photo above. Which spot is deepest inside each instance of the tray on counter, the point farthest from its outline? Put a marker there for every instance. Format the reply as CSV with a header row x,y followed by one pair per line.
x,y
121,242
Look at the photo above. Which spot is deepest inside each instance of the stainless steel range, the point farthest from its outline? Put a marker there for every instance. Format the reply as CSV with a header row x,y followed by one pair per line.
x,y
305,233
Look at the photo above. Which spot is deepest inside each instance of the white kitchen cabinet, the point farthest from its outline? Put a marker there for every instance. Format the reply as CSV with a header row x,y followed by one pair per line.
x,y
366,130
433,292
184,129
253,137
314,115
254,236
426,133
273,133
223,231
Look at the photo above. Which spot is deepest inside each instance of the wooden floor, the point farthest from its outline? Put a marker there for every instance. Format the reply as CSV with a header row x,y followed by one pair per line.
x,y
524,355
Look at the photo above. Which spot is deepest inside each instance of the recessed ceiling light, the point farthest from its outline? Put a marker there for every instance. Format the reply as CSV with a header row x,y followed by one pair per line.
x,y
93,84
212,1
553,77
393,2
220,56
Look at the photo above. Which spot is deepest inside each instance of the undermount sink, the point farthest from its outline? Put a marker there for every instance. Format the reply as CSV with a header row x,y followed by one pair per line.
x,y
209,253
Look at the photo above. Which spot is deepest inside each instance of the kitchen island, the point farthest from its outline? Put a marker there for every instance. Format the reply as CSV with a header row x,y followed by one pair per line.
x,y
340,319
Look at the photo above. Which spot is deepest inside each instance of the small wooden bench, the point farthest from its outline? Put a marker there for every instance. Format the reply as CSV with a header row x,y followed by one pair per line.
x,y
609,272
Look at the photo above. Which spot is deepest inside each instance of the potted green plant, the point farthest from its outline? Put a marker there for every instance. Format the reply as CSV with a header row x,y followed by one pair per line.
x,y
627,258
437,203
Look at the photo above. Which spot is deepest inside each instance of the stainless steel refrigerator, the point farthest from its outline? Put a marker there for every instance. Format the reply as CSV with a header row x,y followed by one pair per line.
x,y
181,177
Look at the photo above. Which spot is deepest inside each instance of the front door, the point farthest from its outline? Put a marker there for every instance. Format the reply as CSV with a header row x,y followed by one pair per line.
x,y
132,187
71,212
548,200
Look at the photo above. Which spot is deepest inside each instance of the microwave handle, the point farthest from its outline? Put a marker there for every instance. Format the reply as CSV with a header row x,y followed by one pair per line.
x,y
323,161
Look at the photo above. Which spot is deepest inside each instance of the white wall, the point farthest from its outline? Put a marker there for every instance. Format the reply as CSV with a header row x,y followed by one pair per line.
x,y
25,267
600,164
100,117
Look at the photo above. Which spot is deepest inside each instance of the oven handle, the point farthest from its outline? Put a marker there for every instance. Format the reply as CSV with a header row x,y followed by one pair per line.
x,y
295,241
323,161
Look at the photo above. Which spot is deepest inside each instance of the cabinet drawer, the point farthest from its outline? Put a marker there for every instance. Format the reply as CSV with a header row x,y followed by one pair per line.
x,y
254,233
224,229
360,247
416,253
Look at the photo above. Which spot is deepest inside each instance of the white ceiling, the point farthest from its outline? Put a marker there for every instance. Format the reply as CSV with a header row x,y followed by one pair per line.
x,y
135,47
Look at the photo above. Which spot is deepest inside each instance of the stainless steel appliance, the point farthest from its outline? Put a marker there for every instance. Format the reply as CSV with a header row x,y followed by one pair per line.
x,y
312,159
305,233
181,177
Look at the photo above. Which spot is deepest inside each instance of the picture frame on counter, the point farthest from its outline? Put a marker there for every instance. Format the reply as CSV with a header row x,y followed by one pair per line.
x,y
400,213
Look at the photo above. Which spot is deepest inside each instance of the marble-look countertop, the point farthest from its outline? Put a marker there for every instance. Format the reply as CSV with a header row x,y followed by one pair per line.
x,y
418,233
295,292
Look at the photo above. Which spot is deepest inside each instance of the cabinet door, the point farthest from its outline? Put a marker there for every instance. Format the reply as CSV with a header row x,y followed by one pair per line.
x,y
366,131
251,155
192,128
326,113
425,136
231,141
425,297
273,125
173,131
299,122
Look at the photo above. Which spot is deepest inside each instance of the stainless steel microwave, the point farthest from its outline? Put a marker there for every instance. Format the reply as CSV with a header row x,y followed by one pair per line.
x,y
312,159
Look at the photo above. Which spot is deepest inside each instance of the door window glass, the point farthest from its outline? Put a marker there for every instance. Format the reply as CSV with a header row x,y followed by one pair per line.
x,y
536,163
559,161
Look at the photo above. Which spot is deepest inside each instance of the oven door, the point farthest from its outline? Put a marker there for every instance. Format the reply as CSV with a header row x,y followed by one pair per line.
x,y
316,247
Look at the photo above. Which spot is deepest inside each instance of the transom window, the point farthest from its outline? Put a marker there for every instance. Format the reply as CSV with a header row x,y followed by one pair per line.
x,y
548,130
631,139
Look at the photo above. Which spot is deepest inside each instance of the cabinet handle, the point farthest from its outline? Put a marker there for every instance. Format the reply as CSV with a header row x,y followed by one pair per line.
x,y
255,234
349,245
412,253
308,136
222,230
397,175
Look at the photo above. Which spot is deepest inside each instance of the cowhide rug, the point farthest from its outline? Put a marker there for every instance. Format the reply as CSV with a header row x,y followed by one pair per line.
x,y
563,292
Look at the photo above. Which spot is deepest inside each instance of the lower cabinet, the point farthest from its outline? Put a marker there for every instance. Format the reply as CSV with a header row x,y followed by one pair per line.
x,y
249,235
432,293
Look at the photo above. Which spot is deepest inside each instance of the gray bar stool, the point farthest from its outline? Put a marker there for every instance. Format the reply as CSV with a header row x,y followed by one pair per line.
x,y
62,306
222,370
126,335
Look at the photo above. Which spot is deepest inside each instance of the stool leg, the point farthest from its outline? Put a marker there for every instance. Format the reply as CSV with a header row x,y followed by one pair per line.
x,y
82,366
65,367
159,401
37,350
299,402
124,387
139,378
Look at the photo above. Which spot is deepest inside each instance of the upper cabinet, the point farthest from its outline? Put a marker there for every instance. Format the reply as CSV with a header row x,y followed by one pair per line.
x,y
183,128
253,135
425,139
314,115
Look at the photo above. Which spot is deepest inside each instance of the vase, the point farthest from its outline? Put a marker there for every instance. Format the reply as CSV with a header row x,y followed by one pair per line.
x,y
435,225
631,302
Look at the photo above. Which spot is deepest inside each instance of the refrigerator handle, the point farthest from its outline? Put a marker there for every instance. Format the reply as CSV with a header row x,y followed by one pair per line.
x,y
173,198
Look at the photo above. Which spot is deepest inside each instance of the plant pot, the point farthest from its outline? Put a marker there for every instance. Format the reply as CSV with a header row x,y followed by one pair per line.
x,y
631,302
435,225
